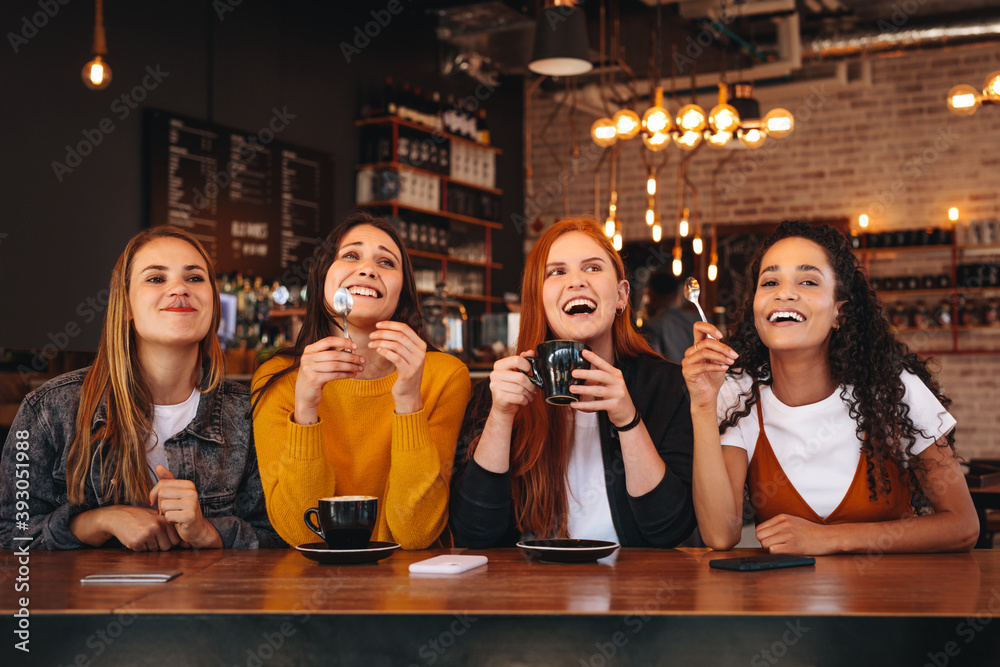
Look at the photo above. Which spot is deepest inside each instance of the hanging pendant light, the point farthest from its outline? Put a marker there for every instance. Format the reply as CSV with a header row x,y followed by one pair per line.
x,y
778,123
657,118
561,47
603,132
627,124
656,141
752,137
964,100
723,117
689,140
96,74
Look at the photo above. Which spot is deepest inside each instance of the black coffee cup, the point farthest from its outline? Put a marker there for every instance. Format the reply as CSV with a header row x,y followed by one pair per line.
x,y
552,369
345,522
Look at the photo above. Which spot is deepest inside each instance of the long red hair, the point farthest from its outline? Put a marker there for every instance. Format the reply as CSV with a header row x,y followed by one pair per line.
x,y
542,436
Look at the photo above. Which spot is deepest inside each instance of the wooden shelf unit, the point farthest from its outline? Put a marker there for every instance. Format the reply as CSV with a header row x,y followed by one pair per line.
x,y
949,255
399,210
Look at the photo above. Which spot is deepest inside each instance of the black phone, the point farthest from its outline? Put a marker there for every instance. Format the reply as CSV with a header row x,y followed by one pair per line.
x,y
761,562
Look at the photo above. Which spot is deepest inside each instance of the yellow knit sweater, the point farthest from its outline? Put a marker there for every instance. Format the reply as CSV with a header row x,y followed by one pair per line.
x,y
361,447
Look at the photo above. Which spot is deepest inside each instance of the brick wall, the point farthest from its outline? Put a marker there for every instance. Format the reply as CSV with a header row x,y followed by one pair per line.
x,y
890,149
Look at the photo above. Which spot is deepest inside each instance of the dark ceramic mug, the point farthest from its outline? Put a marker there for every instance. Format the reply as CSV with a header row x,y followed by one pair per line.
x,y
552,369
345,522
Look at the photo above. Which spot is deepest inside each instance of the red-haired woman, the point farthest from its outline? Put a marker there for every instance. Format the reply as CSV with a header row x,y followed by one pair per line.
x,y
616,465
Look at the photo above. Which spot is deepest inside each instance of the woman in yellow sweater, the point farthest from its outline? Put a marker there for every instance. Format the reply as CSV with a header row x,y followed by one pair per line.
x,y
374,414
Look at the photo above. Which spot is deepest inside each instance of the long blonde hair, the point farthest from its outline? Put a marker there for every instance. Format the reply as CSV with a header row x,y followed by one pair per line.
x,y
117,375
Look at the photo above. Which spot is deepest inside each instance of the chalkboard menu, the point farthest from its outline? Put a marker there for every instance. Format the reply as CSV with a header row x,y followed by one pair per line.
x,y
259,205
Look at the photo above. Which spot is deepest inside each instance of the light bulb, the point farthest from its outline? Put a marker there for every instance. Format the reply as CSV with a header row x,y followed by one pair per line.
x,y
953,214
617,242
603,132
677,266
691,118
651,186
724,118
689,140
991,89
752,138
657,233
96,74
719,139
657,141
778,123
963,100
650,216
627,123
656,119
683,228
609,227
697,245
713,272
863,220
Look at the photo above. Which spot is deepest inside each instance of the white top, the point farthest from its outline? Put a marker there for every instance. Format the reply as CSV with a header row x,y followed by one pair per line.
x,y
168,421
817,444
586,488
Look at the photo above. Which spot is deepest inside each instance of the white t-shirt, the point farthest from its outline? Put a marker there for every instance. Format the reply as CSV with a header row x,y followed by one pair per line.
x,y
168,421
817,445
586,489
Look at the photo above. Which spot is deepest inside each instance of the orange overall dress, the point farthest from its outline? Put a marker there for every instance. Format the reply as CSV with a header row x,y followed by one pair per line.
x,y
772,493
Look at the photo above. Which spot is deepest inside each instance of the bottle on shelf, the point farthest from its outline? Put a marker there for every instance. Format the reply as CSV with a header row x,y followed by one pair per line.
x,y
403,104
942,314
482,129
389,97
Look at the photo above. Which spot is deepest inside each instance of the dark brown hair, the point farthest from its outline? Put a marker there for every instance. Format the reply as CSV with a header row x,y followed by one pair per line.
x,y
318,322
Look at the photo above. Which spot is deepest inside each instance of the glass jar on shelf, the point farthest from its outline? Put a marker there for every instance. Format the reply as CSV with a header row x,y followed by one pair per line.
x,y
446,323
942,314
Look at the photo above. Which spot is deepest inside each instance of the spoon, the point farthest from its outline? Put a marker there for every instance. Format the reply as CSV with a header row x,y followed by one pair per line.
x,y
692,290
343,302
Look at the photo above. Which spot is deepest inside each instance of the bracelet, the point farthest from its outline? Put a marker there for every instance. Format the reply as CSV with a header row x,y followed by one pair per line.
x,y
631,425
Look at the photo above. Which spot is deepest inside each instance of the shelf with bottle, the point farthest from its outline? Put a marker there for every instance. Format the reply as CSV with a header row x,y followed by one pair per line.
x,y
455,260
426,211
957,291
463,119
399,166
428,167
427,129
465,297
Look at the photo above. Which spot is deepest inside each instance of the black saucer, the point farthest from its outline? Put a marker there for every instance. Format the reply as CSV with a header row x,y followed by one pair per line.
x,y
374,552
567,551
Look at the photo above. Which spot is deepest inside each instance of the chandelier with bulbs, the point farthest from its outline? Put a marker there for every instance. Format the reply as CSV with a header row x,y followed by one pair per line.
x,y
737,118
964,100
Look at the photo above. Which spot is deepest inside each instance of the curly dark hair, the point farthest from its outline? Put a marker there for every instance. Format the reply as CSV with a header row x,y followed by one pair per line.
x,y
863,354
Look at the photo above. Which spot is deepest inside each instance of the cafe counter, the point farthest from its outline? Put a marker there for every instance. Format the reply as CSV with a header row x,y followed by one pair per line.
x,y
638,607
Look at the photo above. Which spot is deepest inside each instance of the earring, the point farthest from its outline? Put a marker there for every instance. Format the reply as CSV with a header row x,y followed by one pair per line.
x,y
619,311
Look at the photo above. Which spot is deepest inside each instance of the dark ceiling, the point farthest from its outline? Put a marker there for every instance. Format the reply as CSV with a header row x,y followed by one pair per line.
x,y
502,30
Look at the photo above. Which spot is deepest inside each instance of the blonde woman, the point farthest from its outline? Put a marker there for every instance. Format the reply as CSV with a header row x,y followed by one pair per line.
x,y
150,447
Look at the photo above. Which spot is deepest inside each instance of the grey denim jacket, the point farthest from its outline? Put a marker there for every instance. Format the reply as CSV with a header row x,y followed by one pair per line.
x,y
216,451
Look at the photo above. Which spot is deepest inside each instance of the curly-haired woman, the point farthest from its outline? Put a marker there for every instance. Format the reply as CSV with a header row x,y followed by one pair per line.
x,y
838,432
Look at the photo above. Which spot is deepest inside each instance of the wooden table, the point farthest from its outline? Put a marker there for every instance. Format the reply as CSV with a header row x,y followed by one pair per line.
x,y
644,607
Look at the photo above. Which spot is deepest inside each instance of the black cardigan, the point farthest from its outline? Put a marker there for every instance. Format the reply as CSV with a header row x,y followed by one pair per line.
x,y
481,511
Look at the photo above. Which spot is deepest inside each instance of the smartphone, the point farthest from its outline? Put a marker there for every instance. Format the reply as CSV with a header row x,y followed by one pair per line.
x,y
149,577
761,562
447,564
